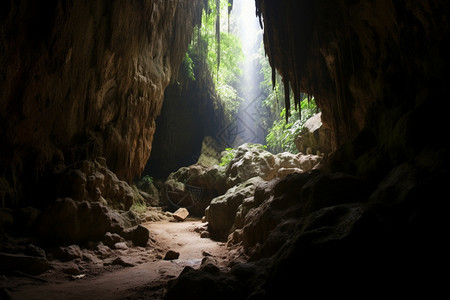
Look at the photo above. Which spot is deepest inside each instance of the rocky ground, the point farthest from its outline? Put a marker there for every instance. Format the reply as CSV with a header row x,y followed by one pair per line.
x,y
123,271
88,244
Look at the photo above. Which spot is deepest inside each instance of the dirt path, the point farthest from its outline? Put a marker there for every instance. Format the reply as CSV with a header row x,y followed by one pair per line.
x,y
146,279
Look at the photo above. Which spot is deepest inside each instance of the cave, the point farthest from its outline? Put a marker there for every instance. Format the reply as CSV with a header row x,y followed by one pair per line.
x,y
87,84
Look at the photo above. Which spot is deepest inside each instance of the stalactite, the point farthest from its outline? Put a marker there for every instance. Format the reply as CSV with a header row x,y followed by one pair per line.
x,y
286,96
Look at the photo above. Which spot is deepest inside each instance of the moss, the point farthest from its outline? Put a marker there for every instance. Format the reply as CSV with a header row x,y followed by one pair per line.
x,y
139,205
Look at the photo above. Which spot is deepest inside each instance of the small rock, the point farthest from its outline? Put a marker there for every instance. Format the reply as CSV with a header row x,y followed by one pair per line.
x,y
139,235
121,246
181,214
89,256
209,265
103,250
121,262
112,238
204,234
71,269
208,260
170,255
68,253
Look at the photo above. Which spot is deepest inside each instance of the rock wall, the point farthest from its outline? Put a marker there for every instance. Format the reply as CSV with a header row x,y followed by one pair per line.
x,y
83,79
191,111
370,220
357,57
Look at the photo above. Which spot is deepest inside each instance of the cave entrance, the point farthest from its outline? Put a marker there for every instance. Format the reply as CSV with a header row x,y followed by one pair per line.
x,y
224,103
224,91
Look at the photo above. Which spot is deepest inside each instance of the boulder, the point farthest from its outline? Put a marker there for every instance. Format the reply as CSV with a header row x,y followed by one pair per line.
x,y
210,153
68,221
193,187
250,160
71,269
171,255
138,234
33,250
103,251
33,265
220,214
68,253
314,136
180,214
110,239
147,191
92,181
120,246
121,261
209,282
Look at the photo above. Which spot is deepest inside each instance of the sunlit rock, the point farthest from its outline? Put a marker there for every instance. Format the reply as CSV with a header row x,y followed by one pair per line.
x,y
251,160
210,154
221,212
314,135
180,214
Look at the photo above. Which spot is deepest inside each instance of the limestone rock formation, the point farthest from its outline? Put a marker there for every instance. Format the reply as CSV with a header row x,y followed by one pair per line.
x,y
210,154
221,212
83,80
355,57
92,181
371,219
69,221
251,160
314,136
195,186
190,113
251,165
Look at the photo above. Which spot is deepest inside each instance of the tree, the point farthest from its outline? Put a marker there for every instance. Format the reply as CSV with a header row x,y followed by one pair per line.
x,y
222,52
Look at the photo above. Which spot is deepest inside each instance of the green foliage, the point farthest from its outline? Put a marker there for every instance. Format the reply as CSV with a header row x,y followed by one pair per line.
x,y
227,157
271,106
139,204
223,53
282,134
147,179
187,67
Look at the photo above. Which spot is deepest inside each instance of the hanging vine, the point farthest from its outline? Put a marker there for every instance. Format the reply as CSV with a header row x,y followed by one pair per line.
x,y
220,50
218,35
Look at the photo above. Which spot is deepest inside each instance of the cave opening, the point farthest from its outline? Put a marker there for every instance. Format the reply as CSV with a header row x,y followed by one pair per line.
x,y
219,149
227,92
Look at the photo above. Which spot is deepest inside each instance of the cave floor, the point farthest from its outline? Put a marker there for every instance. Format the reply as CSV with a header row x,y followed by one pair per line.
x,y
142,273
